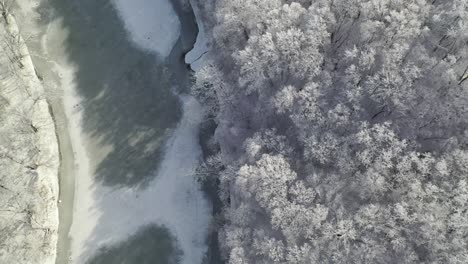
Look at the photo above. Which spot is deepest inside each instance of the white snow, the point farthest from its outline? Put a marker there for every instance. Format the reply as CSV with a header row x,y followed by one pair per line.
x,y
34,191
153,24
196,56
82,224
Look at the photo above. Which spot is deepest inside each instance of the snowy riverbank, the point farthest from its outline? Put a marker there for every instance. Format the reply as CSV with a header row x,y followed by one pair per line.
x,y
29,157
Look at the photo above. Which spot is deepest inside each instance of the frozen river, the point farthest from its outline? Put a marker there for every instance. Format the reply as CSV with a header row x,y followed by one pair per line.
x,y
129,137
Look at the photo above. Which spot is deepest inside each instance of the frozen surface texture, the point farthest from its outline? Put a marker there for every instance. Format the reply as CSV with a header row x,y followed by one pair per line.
x,y
153,24
173,199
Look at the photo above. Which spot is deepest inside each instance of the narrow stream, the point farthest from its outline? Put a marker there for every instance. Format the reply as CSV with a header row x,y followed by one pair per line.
x,y
125,197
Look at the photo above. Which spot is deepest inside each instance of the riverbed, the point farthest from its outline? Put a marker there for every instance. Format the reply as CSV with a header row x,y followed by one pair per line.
x,y
128,138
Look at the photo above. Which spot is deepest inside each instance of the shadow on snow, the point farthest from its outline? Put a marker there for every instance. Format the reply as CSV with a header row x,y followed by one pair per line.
x,y
150,245
126,93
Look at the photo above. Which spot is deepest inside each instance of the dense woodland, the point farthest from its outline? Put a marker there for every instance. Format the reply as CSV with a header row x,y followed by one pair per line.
x,y
341,129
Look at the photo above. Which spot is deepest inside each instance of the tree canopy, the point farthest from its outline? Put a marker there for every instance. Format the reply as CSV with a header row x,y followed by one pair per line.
x,y
341,128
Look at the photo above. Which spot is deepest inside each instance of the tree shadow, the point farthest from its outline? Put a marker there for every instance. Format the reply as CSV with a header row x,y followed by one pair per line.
x,y
151,244
127,97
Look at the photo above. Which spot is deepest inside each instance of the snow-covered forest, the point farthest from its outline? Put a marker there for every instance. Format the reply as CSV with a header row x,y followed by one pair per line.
x,y
341,129
29,157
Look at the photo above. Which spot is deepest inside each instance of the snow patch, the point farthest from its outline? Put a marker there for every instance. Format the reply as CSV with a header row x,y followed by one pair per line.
x,y
153,24
83,204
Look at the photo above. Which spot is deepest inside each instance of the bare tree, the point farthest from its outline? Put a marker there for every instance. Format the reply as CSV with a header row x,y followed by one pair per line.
x,y
5,9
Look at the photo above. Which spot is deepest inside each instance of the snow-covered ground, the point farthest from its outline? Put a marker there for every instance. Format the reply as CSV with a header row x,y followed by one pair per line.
x,y
82,223
153,24
196,56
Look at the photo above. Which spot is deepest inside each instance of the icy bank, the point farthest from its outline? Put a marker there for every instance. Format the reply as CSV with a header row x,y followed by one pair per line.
x,y
29,157
153,24
196,56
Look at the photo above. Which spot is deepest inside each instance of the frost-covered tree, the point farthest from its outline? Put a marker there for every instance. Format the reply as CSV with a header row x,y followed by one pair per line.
x,y
341,129
28,155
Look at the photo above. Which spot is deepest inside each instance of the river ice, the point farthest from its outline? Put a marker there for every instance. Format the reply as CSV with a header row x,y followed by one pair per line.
x,y
106,216
153,24
173,199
